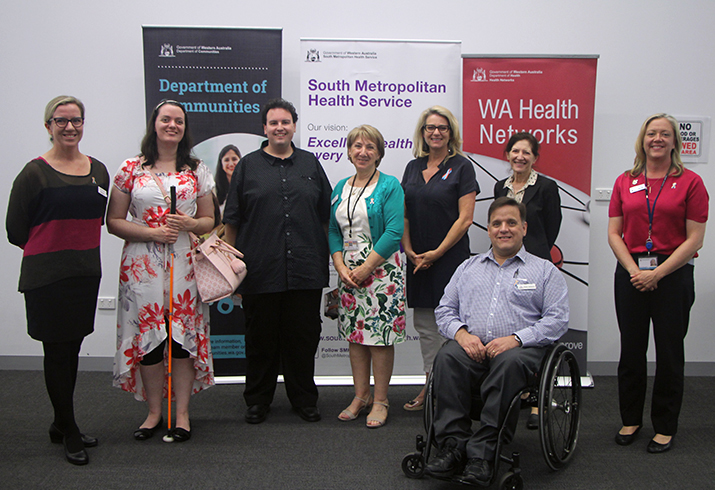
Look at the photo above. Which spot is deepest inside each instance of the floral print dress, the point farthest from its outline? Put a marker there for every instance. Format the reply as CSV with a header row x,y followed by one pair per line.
x,y
143,300
373,314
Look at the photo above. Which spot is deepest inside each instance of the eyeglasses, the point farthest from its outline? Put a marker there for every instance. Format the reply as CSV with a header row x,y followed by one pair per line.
x,y
431,127
61,122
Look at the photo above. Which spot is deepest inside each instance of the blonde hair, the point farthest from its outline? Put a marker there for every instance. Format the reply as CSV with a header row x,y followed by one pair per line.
x,y
52,105
675,161
421,149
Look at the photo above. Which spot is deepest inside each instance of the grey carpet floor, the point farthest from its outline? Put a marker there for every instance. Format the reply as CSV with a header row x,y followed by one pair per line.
x,y
287,453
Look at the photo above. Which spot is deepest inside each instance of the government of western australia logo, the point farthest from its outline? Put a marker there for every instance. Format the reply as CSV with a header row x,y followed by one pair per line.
x,y
313,56
167,51
479,75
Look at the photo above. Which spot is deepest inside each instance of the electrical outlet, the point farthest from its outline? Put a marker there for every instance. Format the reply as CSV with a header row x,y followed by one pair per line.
x,y
107,303
603,194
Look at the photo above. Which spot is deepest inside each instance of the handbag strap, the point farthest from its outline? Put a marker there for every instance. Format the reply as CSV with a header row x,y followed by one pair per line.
x,y
218,245
167,198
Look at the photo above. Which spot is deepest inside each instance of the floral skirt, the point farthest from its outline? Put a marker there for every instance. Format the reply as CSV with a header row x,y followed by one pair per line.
x,y
374,314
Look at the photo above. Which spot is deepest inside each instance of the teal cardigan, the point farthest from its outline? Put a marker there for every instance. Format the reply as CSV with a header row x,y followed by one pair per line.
x,y
385,213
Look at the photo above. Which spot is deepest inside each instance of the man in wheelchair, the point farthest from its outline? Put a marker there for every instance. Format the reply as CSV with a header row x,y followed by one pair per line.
x,y
499,311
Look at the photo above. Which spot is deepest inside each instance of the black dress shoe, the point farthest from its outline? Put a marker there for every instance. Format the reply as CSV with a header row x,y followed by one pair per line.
x,y
532,423
657,448
180,435
56,436
144,433
627,439
446,462
309,414
79,457
477,472
257,413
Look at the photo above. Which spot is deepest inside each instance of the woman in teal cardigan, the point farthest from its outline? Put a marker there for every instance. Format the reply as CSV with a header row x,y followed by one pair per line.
x,y
366,225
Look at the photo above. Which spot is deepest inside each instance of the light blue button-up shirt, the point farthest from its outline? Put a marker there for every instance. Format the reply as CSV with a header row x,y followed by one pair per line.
x,y
526,296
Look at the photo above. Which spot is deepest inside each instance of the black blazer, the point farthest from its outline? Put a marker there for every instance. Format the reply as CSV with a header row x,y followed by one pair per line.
x,y
543,214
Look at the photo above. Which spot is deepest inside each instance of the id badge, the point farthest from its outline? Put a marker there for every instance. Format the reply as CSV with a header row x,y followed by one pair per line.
x,y
637,188
647,263
350,244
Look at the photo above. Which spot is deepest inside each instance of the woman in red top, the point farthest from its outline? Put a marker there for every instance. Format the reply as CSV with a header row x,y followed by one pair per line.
x,y
656,225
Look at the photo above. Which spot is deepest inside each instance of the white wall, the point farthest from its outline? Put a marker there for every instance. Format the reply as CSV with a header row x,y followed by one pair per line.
x,y
655,56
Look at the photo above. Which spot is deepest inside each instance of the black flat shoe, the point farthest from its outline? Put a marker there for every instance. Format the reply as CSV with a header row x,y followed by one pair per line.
x,y
447,462
309,414
532,423
142,434
257,413
657,448
180,435
56,436
627,439
79,458
477,472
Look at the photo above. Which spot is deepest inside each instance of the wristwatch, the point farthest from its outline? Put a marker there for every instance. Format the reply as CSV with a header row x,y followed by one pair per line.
x,y
521,344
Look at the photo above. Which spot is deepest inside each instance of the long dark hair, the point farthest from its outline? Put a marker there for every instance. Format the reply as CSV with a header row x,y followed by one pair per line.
x,y
150,150
222,183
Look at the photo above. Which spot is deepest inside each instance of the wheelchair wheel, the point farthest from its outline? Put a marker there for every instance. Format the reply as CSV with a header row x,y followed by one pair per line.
x,y
413,465
511,481
559,407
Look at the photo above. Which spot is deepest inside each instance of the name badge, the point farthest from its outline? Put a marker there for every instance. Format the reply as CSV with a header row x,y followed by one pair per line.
x,y
522,286
101,191
350,244
637,188
647,263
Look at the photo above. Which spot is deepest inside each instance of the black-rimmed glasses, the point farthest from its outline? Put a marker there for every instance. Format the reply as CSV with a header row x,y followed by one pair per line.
x,y
430,128
61,122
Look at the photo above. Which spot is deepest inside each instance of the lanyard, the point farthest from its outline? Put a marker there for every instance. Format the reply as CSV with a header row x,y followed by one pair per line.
x,y
352,187
651,212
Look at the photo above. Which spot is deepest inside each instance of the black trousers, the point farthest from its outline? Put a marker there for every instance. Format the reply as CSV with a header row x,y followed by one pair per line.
x,y
668,307
282,329
498,380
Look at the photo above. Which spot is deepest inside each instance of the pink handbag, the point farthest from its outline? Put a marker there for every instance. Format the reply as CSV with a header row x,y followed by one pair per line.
x,y
218,267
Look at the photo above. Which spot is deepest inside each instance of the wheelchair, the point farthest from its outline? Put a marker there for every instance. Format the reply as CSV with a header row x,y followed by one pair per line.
x,y
556,391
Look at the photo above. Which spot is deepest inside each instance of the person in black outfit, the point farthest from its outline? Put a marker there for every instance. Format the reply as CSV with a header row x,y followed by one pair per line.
x,y
440,187
55,215
539,194
277,213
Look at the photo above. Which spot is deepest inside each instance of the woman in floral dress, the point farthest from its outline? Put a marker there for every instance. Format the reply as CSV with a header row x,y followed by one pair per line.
x,y
140,188
366,225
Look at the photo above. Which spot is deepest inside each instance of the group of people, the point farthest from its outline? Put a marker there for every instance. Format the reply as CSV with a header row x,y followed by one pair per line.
x,y
497,311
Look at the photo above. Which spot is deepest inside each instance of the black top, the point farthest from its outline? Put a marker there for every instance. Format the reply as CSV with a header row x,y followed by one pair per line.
x,y
281,209
56,219
432,208
543,214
